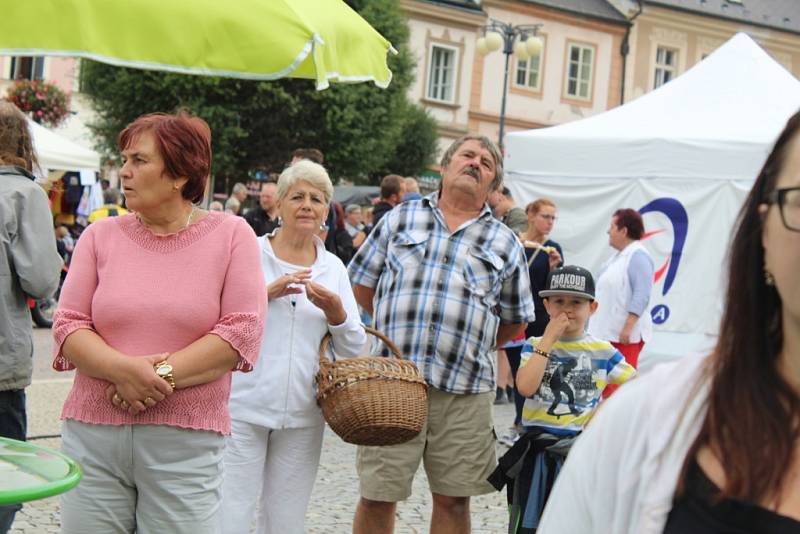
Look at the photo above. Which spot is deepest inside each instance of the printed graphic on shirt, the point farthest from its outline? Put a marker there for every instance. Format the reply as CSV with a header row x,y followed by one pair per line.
x,y
573,381
567,383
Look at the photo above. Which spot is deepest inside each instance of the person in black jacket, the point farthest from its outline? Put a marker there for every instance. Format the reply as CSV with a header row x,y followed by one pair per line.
x,y
344,243
264,218
393,187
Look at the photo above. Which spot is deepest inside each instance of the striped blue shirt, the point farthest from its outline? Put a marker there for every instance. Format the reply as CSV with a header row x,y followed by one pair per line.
x,y
440,296
574,379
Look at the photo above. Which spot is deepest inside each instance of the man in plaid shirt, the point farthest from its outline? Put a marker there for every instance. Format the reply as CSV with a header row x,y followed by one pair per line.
x,y
447,282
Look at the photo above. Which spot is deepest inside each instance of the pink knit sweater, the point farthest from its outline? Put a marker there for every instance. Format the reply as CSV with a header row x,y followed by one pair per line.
x,y
144,294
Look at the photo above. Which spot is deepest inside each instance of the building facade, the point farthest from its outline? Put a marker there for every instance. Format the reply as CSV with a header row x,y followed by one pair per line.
x,y
668,37
63,72
577,74
442,37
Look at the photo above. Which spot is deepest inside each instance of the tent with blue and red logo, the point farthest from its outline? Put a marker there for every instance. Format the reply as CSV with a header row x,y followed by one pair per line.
x,y
685,155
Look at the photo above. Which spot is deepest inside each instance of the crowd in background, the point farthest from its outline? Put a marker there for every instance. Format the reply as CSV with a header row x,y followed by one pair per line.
x,y
343,231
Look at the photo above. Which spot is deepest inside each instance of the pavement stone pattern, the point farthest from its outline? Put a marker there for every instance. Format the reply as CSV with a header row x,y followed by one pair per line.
x,y
335,492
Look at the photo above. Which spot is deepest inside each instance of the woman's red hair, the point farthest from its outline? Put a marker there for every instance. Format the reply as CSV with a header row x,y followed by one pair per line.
x,y
184,142
631,220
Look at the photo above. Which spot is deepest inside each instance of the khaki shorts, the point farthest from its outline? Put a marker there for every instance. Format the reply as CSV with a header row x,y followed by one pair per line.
x,y
457,445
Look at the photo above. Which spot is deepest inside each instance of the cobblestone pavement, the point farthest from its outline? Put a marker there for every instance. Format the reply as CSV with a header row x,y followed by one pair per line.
x,y
335,492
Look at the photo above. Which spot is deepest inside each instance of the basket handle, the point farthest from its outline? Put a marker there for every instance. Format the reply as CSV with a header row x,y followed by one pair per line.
x,y
323,346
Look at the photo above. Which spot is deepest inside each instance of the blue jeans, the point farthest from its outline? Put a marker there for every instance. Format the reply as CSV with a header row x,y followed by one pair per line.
x,y
13,424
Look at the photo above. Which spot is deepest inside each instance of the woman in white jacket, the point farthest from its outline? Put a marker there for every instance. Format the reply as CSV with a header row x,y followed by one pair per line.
x,y
709,446
277,426
623,291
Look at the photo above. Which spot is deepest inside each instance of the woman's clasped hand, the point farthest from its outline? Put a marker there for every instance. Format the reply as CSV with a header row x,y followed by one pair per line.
x,y
140,387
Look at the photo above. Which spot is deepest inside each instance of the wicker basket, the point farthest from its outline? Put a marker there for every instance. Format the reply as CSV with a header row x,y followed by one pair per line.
x,y
372,400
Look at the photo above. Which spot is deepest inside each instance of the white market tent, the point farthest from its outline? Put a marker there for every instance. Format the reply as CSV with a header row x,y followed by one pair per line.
x,y
685,155
58,153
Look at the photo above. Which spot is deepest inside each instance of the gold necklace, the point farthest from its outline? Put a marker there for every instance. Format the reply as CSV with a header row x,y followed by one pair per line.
x,y
184,227
189,219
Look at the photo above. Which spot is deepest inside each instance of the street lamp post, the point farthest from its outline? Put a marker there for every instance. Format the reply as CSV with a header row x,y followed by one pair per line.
x,y
520,40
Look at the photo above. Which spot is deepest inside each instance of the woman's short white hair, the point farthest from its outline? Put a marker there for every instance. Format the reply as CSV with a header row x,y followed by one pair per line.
x,y
307,171
232,203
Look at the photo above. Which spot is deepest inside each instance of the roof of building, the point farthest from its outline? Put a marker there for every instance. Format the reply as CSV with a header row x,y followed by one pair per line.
x,y
467,5
597,9
778,14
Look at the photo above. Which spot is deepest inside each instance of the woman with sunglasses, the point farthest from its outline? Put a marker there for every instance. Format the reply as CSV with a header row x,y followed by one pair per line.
x,y
542,254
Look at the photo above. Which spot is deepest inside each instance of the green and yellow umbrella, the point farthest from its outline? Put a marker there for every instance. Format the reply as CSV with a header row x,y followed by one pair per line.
x,y
323,40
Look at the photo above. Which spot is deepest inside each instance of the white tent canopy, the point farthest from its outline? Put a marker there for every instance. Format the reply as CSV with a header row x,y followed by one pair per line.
x,y
685,155
58,153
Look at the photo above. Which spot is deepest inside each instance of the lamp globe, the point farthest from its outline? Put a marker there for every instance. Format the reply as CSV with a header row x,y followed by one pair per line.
x,y
534,45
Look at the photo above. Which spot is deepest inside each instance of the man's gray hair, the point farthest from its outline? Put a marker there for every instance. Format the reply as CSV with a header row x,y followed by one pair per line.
x,y
239,187
486,143
111,196
307,171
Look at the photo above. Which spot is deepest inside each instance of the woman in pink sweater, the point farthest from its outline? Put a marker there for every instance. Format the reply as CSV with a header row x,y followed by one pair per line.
x,y
159,307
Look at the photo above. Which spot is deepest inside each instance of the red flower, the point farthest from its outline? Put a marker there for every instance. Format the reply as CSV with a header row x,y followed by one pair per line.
x,y
44,101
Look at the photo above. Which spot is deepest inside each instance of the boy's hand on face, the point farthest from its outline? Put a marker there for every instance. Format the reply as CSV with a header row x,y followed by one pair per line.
x,y
554,330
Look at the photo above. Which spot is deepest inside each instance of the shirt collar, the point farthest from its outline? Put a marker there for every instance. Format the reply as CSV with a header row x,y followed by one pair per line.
x,y
432,200
318,245
15,169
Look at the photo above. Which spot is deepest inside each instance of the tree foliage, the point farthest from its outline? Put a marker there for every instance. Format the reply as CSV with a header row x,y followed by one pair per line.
x,y
417,147
364,131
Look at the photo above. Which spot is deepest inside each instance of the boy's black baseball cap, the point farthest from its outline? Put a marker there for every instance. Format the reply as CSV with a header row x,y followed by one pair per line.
x,y
569,280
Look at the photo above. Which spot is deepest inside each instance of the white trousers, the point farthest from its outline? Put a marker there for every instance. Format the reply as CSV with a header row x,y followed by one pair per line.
x,y
148,479
278,465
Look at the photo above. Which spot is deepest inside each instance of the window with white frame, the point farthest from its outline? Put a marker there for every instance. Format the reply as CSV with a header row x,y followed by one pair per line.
x,y
528,73
442,73
579,71
26,68
666,66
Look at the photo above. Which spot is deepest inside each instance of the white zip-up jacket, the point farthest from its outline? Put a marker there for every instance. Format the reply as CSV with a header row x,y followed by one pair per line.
x,y
621,474
613,295
280,391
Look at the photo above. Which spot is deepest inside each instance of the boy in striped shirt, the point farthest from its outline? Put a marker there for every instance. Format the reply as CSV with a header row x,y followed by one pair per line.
x,y
562,375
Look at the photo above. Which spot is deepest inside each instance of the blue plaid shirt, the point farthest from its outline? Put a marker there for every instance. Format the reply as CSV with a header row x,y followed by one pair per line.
x,y
440,296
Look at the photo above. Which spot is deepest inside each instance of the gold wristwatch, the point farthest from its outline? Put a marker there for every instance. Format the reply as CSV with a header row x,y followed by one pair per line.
x,y
164,370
